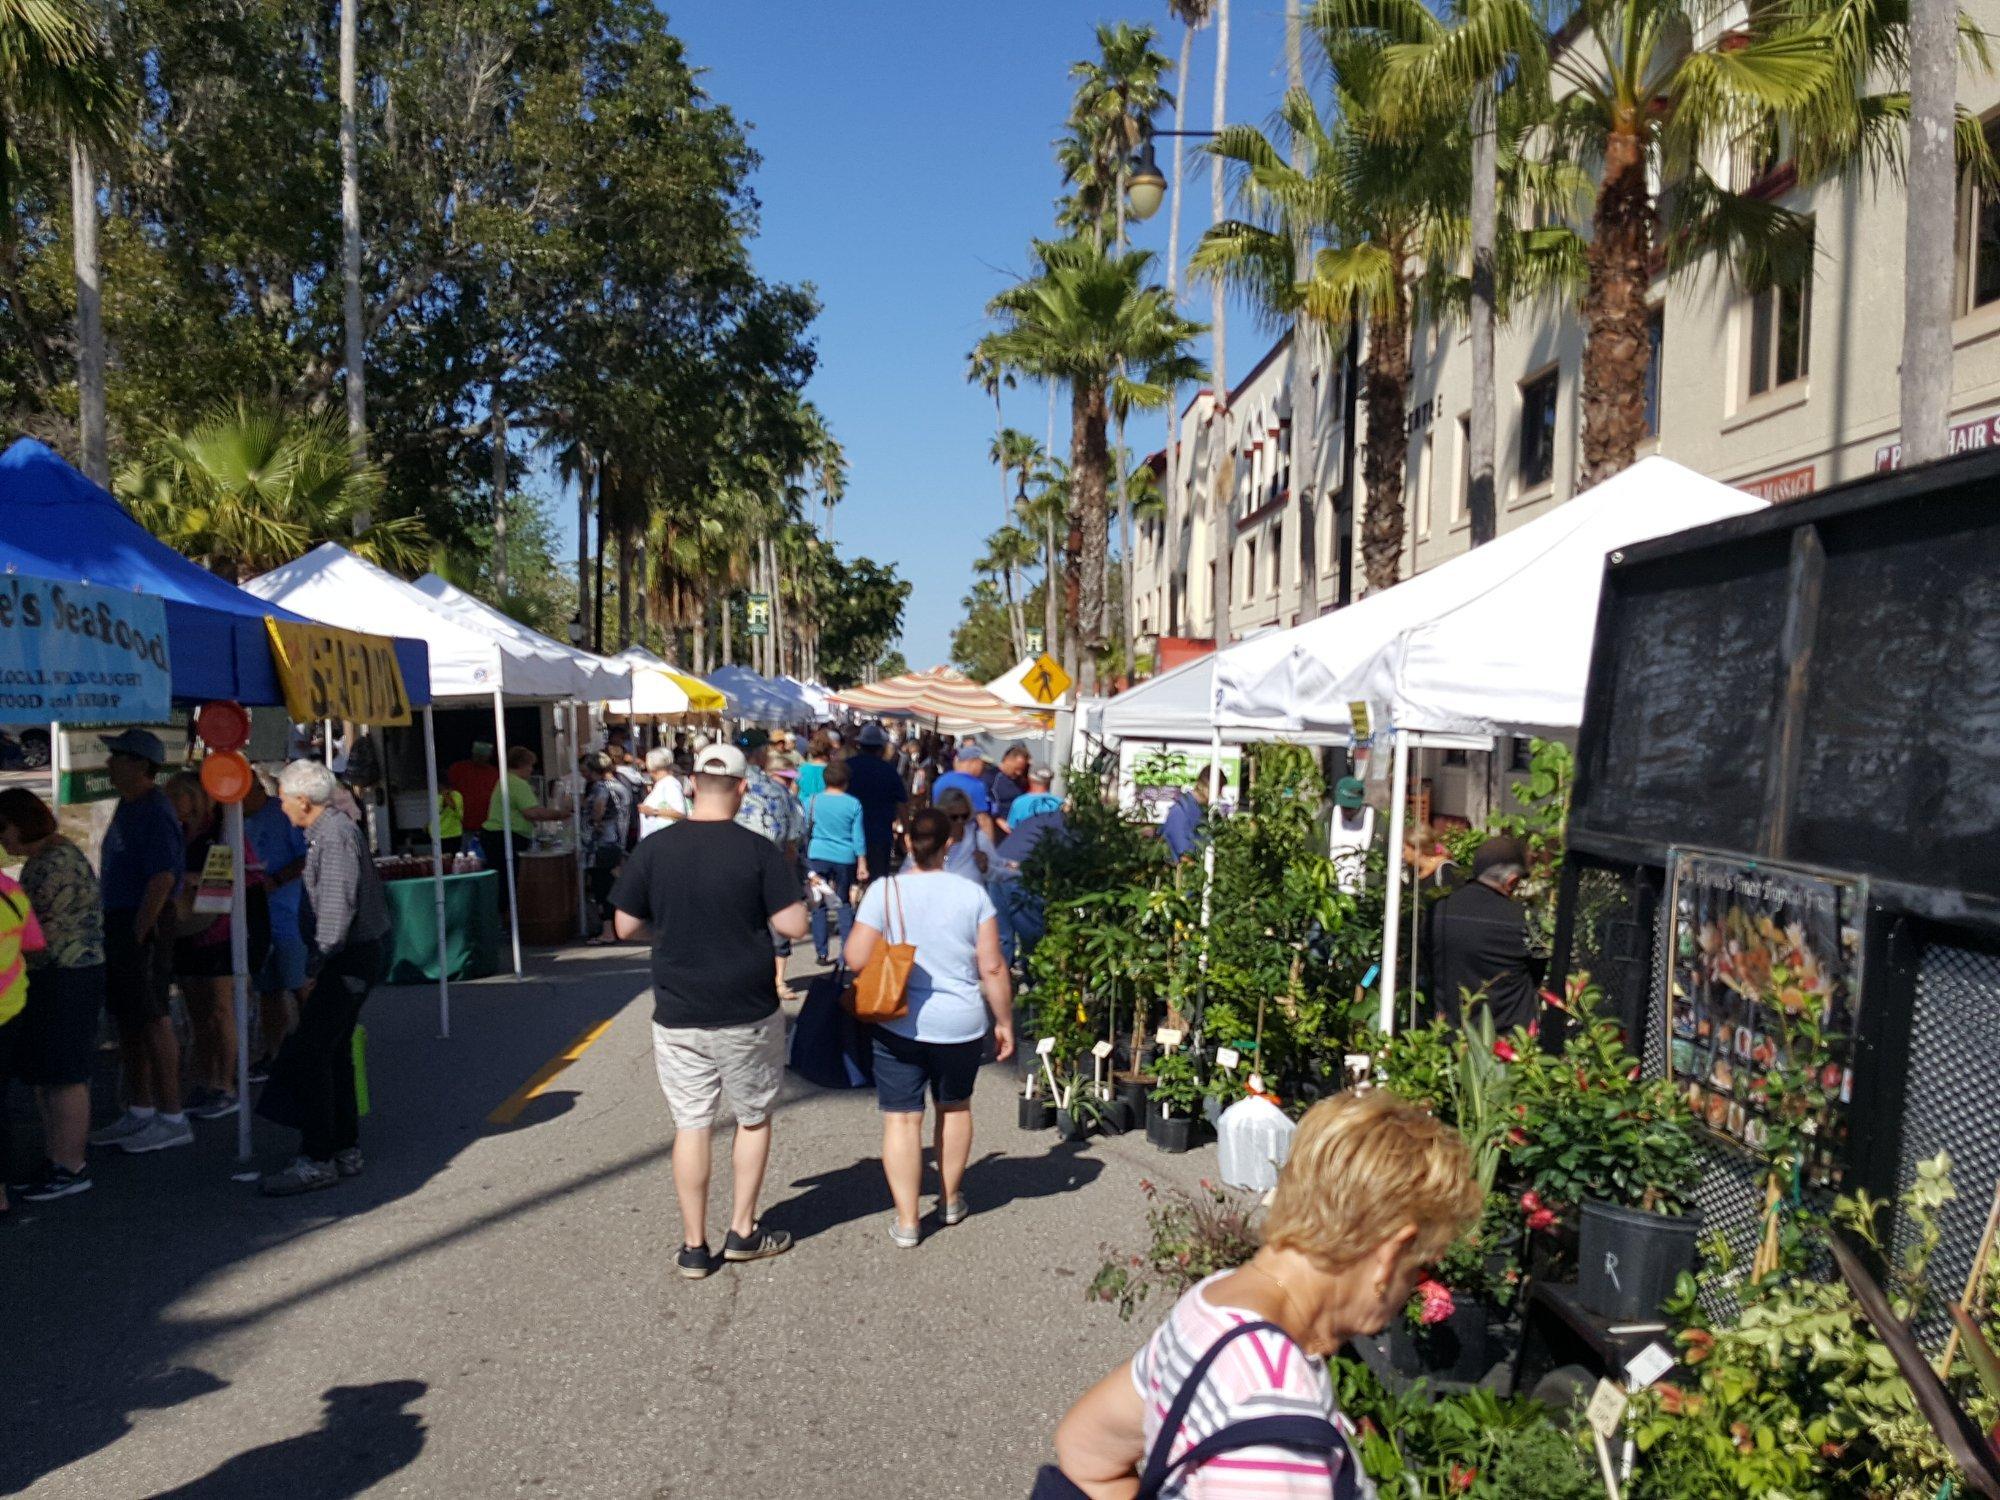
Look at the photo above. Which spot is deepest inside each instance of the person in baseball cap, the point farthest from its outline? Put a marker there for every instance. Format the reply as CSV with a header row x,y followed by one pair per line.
x,y
722,760
142,744
872,737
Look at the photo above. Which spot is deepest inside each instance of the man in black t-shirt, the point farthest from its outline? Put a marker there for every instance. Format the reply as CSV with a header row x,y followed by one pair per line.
x,y
1010,780
712,892
1479,941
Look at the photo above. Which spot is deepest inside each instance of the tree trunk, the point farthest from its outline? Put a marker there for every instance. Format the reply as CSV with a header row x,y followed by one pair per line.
x,y
1615,348
1052,591
90,360
583,488
1222,467
779,663
1386,381
350,228
1479,505
1014,640
624,586
1173,557
1088,471
1928,279
1303,400
728,628
498,408
1127,608
699,634
597,571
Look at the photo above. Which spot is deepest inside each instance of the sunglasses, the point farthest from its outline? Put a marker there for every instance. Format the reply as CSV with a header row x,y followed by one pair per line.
x,y
959,817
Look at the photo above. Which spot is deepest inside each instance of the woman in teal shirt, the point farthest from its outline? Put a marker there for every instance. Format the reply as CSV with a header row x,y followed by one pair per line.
x,y
835,854
812,775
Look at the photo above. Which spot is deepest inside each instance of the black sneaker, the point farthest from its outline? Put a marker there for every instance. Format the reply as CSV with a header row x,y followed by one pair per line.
x,y
695,1262
759,1244
52,1182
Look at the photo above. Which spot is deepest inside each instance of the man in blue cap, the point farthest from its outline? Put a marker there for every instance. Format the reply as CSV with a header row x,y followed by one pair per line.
x,y
141,874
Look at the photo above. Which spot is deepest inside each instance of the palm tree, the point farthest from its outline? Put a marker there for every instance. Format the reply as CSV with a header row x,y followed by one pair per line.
x,y
249,488
1044,515
350,227
56,80
1378,208
1117,95
1428,80
1009,550
984,371
1191,14
1928,273
1222,450
1084,314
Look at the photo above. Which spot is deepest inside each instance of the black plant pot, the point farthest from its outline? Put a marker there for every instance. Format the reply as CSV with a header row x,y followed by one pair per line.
x,y
1173,1134
1627,1260
1037,1114
1153,1121
1458,1349
1211,1110
1069,1127
1129,1099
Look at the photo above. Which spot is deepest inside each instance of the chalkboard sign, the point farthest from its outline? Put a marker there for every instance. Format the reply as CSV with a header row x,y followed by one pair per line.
x,y
1760,1005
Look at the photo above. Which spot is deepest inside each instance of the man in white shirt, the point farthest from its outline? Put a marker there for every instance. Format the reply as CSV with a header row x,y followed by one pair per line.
x,y
1352,834
666,804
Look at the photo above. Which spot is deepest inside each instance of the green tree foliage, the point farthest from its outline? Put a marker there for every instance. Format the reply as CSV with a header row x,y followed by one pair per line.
x,y
859,617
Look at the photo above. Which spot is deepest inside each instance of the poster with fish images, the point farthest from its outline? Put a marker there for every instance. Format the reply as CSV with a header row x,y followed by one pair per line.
x,y
1765,975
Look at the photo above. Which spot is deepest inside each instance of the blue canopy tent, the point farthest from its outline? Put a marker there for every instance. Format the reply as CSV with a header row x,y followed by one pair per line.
x,y
55,523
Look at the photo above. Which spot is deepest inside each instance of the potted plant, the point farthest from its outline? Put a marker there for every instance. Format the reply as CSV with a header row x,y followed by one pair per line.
x,y
1594,1136
1176,1095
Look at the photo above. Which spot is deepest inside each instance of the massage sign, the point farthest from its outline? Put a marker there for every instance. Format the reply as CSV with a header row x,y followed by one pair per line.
x,y
73,653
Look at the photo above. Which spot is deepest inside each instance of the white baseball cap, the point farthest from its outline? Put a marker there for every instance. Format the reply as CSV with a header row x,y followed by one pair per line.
x,y
721,760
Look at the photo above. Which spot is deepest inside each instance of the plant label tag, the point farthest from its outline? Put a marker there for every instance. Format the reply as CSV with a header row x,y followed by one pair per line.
x,y
1368,979
1045,1046
1648,1365
1101,1051
1606,1409
1227,1057
1167,1037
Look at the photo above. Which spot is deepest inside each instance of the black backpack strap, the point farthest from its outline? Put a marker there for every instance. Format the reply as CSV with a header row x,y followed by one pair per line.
x,y
1306,1434
1298,1432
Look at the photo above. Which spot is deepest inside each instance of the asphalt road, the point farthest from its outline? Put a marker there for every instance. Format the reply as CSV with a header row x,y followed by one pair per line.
x,y
493,1310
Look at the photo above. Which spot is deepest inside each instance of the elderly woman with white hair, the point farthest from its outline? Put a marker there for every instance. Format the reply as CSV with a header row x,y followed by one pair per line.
x,y
667,803
312,1082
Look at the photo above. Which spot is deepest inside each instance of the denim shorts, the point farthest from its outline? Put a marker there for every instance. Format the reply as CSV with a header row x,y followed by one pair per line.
x,y
905,1069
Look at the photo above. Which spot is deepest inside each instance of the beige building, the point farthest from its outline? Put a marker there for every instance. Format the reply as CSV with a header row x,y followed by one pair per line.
x,y
1781,394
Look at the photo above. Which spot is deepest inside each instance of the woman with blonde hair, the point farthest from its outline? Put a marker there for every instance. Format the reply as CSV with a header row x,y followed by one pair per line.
x,y
1231,1395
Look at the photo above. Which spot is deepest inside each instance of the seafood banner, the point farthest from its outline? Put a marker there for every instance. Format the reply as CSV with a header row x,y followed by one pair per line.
x,y
1760,1005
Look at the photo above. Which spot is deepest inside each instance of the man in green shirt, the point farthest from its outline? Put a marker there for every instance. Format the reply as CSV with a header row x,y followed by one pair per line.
x,y
527,811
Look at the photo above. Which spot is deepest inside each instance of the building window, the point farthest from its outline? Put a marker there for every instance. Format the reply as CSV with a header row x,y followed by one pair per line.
x,y
1425,476
1979,236
1780,333
1249,570
1461,492
1520,753
1656,335
1455,758
1538,430
1277,555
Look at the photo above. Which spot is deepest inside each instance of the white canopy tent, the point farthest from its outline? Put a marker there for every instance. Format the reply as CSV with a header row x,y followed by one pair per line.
x,y
1495,641
472,661
1180,705
812,695
566,671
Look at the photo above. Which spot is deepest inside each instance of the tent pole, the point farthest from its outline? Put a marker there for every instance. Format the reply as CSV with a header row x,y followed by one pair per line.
x,y
1391,933
574,740
326,741
239,969
55,765
1208,859
507,828
437,871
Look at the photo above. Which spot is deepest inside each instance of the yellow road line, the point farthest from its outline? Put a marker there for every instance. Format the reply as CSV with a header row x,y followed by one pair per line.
x,y
545,1075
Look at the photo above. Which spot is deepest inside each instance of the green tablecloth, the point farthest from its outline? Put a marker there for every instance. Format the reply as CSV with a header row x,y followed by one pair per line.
x,y
472,928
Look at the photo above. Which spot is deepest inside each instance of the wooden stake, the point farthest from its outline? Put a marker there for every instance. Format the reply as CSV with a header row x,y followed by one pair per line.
x,y
1972,1281
1766,1260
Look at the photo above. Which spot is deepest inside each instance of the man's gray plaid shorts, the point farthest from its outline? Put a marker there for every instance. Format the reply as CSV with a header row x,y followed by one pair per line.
x,y
700,1067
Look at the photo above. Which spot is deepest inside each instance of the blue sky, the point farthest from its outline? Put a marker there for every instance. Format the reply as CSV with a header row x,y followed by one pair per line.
x,y
906,164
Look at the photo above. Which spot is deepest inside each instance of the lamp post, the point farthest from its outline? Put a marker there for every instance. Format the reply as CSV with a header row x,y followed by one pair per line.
x,y
1145,183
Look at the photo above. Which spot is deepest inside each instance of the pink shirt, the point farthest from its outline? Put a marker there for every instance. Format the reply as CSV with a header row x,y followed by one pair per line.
x,y
1258,1375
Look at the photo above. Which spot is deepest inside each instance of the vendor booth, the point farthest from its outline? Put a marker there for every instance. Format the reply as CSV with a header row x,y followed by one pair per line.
x,y
1792,728
662,692
478,658
181,635
772,703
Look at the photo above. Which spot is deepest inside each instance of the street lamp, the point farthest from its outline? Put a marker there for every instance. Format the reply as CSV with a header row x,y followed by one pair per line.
x,y
1145,184
576,629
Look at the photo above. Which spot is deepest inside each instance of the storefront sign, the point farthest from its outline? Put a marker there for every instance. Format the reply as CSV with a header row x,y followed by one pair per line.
x,y
73,653
1765,971
1793,484
337,674
1967,437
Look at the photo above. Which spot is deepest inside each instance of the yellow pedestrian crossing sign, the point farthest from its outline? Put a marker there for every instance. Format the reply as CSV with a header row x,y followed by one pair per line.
x,y
1046,681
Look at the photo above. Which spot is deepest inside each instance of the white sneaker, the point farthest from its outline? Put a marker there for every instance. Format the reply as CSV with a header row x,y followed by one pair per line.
x,y
158,1134
127,1124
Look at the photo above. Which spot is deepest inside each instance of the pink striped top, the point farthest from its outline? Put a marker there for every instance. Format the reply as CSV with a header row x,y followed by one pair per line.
x,y
1259,1375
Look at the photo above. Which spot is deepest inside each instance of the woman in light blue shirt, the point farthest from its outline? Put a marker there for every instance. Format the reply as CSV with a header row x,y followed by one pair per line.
x,y
835,854
958,986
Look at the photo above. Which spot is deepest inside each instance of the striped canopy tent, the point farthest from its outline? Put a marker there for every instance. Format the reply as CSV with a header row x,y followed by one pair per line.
x,y
951,700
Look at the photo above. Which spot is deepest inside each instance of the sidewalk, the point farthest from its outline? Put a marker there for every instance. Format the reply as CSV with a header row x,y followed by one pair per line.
x,y
493,1311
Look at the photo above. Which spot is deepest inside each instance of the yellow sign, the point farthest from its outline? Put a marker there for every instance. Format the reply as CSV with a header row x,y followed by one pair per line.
x,y
1046,681
1358,712
337,674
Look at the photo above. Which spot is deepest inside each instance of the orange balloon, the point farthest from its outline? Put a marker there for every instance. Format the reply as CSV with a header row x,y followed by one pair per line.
x,y
225,776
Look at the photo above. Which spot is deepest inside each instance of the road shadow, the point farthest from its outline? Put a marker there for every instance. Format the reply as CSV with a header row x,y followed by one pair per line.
x,y
364,1436
156,1229
827,1200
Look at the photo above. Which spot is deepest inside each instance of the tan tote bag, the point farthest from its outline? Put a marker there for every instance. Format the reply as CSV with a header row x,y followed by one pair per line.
x,y
879,991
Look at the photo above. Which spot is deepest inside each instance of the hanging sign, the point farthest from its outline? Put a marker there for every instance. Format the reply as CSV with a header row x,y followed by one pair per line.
x,y
757,614
337,674
1037,640
77,654
218,875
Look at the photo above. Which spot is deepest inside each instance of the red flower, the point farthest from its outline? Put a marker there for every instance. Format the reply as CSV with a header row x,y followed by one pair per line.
x,y
1531,1200
1632,1074
1517,1137
1542,1220
1462,1477
1535,1027
1437,1304
1504,1050
1700,1344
